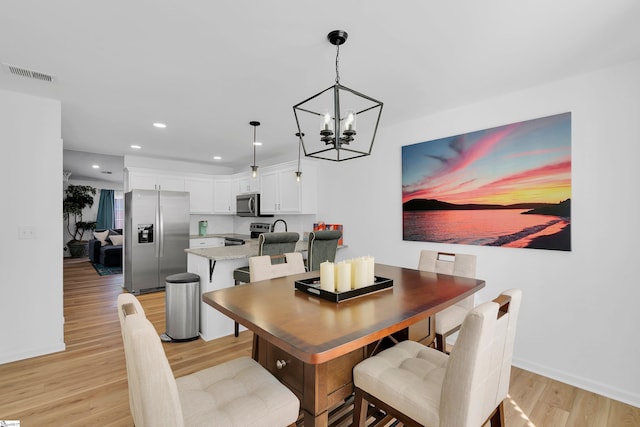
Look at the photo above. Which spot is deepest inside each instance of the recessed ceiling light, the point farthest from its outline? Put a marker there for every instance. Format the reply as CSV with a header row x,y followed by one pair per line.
x,y
95,166
136,147
257,143
217,158
160,125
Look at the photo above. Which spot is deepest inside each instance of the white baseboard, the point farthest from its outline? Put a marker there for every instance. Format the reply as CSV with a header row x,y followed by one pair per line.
x,y
625,396
14,357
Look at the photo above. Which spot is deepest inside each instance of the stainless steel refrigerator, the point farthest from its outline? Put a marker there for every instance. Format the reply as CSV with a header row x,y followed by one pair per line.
x,y
156,235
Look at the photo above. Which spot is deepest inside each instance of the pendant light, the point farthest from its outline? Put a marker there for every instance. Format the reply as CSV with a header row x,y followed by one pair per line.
x,y
299,172
336,110
254,167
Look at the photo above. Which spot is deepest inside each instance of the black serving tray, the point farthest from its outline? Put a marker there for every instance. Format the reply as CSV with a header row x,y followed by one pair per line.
x,y
312,287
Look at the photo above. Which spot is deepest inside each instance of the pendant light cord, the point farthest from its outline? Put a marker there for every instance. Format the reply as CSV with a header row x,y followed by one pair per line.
x,y
299,144
337,61
254,145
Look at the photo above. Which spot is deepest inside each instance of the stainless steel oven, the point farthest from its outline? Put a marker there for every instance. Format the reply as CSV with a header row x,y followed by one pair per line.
x,y
257,228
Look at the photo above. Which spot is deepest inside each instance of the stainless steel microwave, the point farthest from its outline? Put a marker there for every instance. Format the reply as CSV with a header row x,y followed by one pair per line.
x,y
248,204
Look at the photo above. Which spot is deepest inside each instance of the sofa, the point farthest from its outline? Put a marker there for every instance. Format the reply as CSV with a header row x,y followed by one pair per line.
x,y
102,249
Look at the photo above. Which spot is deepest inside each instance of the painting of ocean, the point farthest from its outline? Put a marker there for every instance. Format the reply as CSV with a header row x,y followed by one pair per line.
x,y
507,186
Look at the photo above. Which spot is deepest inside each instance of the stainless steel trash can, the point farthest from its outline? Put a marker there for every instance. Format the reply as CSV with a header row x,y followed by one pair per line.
x,y
182,307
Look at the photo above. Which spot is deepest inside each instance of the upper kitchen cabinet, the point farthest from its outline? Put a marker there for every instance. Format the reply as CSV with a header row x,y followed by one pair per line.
x,y
223,196
281,193
201,193
245,183
151,180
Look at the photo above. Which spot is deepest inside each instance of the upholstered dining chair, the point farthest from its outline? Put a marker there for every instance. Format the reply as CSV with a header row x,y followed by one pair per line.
x,y
268,244
449,320
239,392
322,247
263,268
421,386
129,304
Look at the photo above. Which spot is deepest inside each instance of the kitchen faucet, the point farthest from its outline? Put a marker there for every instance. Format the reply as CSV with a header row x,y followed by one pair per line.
x,y
273,226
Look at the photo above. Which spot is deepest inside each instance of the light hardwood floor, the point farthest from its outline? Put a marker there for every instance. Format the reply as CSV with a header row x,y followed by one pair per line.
x,y
86,385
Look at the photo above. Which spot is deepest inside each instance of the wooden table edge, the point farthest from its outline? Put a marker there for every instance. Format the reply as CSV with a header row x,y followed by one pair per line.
x,y
327,355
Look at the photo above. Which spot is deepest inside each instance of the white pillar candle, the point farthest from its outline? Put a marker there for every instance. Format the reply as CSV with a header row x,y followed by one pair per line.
x,y
327,277
352,272
360,275
371,267
343,276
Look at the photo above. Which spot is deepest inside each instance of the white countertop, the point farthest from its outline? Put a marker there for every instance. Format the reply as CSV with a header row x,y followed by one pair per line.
x,y
222,235
249,249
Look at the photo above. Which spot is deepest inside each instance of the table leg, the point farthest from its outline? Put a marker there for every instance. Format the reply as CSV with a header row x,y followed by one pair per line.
x,y
314,400
321,420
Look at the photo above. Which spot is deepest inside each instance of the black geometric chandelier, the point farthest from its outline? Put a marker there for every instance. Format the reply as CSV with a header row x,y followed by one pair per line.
x,y
329,118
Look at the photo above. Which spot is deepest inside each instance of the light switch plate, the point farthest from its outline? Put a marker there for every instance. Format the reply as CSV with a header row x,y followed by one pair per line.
x,y
26,232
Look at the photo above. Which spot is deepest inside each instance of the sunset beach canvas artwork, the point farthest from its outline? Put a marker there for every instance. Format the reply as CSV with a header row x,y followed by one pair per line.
x,y
506,186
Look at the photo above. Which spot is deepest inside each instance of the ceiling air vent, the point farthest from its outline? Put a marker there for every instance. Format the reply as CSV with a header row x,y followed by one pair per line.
x,y
31,74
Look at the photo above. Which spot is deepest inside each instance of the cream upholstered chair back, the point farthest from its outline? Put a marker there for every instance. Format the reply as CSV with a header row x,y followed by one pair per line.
x,y
157,401
449,320
463,265
262,268
128,305
477,376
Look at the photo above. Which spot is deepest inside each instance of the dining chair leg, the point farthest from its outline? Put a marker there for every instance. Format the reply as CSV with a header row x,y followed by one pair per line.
x,y
497,418
360,406
441,343
236,326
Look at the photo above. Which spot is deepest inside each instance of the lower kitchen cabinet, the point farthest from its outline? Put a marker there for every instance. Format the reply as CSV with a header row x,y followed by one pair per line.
x,y
206,242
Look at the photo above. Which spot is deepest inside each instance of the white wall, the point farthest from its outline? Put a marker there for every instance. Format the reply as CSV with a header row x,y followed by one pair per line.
x,y
167,165
31,167
581,308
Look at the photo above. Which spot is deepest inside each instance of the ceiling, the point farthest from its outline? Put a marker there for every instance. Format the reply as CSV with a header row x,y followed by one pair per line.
x,y
207,68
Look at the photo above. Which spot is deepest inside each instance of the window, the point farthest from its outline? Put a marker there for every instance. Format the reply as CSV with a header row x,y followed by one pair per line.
x,y
118,207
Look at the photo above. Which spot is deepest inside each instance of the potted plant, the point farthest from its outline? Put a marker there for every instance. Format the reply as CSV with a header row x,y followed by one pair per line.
x,y
78,197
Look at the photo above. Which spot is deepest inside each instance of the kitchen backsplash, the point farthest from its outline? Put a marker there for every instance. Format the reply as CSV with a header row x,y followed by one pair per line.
x,y
218,224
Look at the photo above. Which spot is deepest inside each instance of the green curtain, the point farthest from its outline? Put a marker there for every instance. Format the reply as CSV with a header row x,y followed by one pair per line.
x,y
106,212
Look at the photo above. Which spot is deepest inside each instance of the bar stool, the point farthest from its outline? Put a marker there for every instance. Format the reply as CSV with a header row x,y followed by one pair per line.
x,y
268,244
322,247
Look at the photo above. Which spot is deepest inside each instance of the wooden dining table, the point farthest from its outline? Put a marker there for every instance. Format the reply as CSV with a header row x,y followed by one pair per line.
x,y
311,344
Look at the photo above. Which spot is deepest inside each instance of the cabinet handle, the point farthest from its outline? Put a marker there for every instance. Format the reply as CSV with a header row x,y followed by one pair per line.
x,y
280,364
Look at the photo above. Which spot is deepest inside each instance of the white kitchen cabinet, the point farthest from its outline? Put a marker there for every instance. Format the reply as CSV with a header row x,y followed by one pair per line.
x,y
206,242
223,202
146,180
245,183
281,193
200,194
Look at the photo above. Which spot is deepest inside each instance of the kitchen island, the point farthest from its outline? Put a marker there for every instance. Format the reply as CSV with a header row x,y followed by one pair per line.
x,y
215,267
